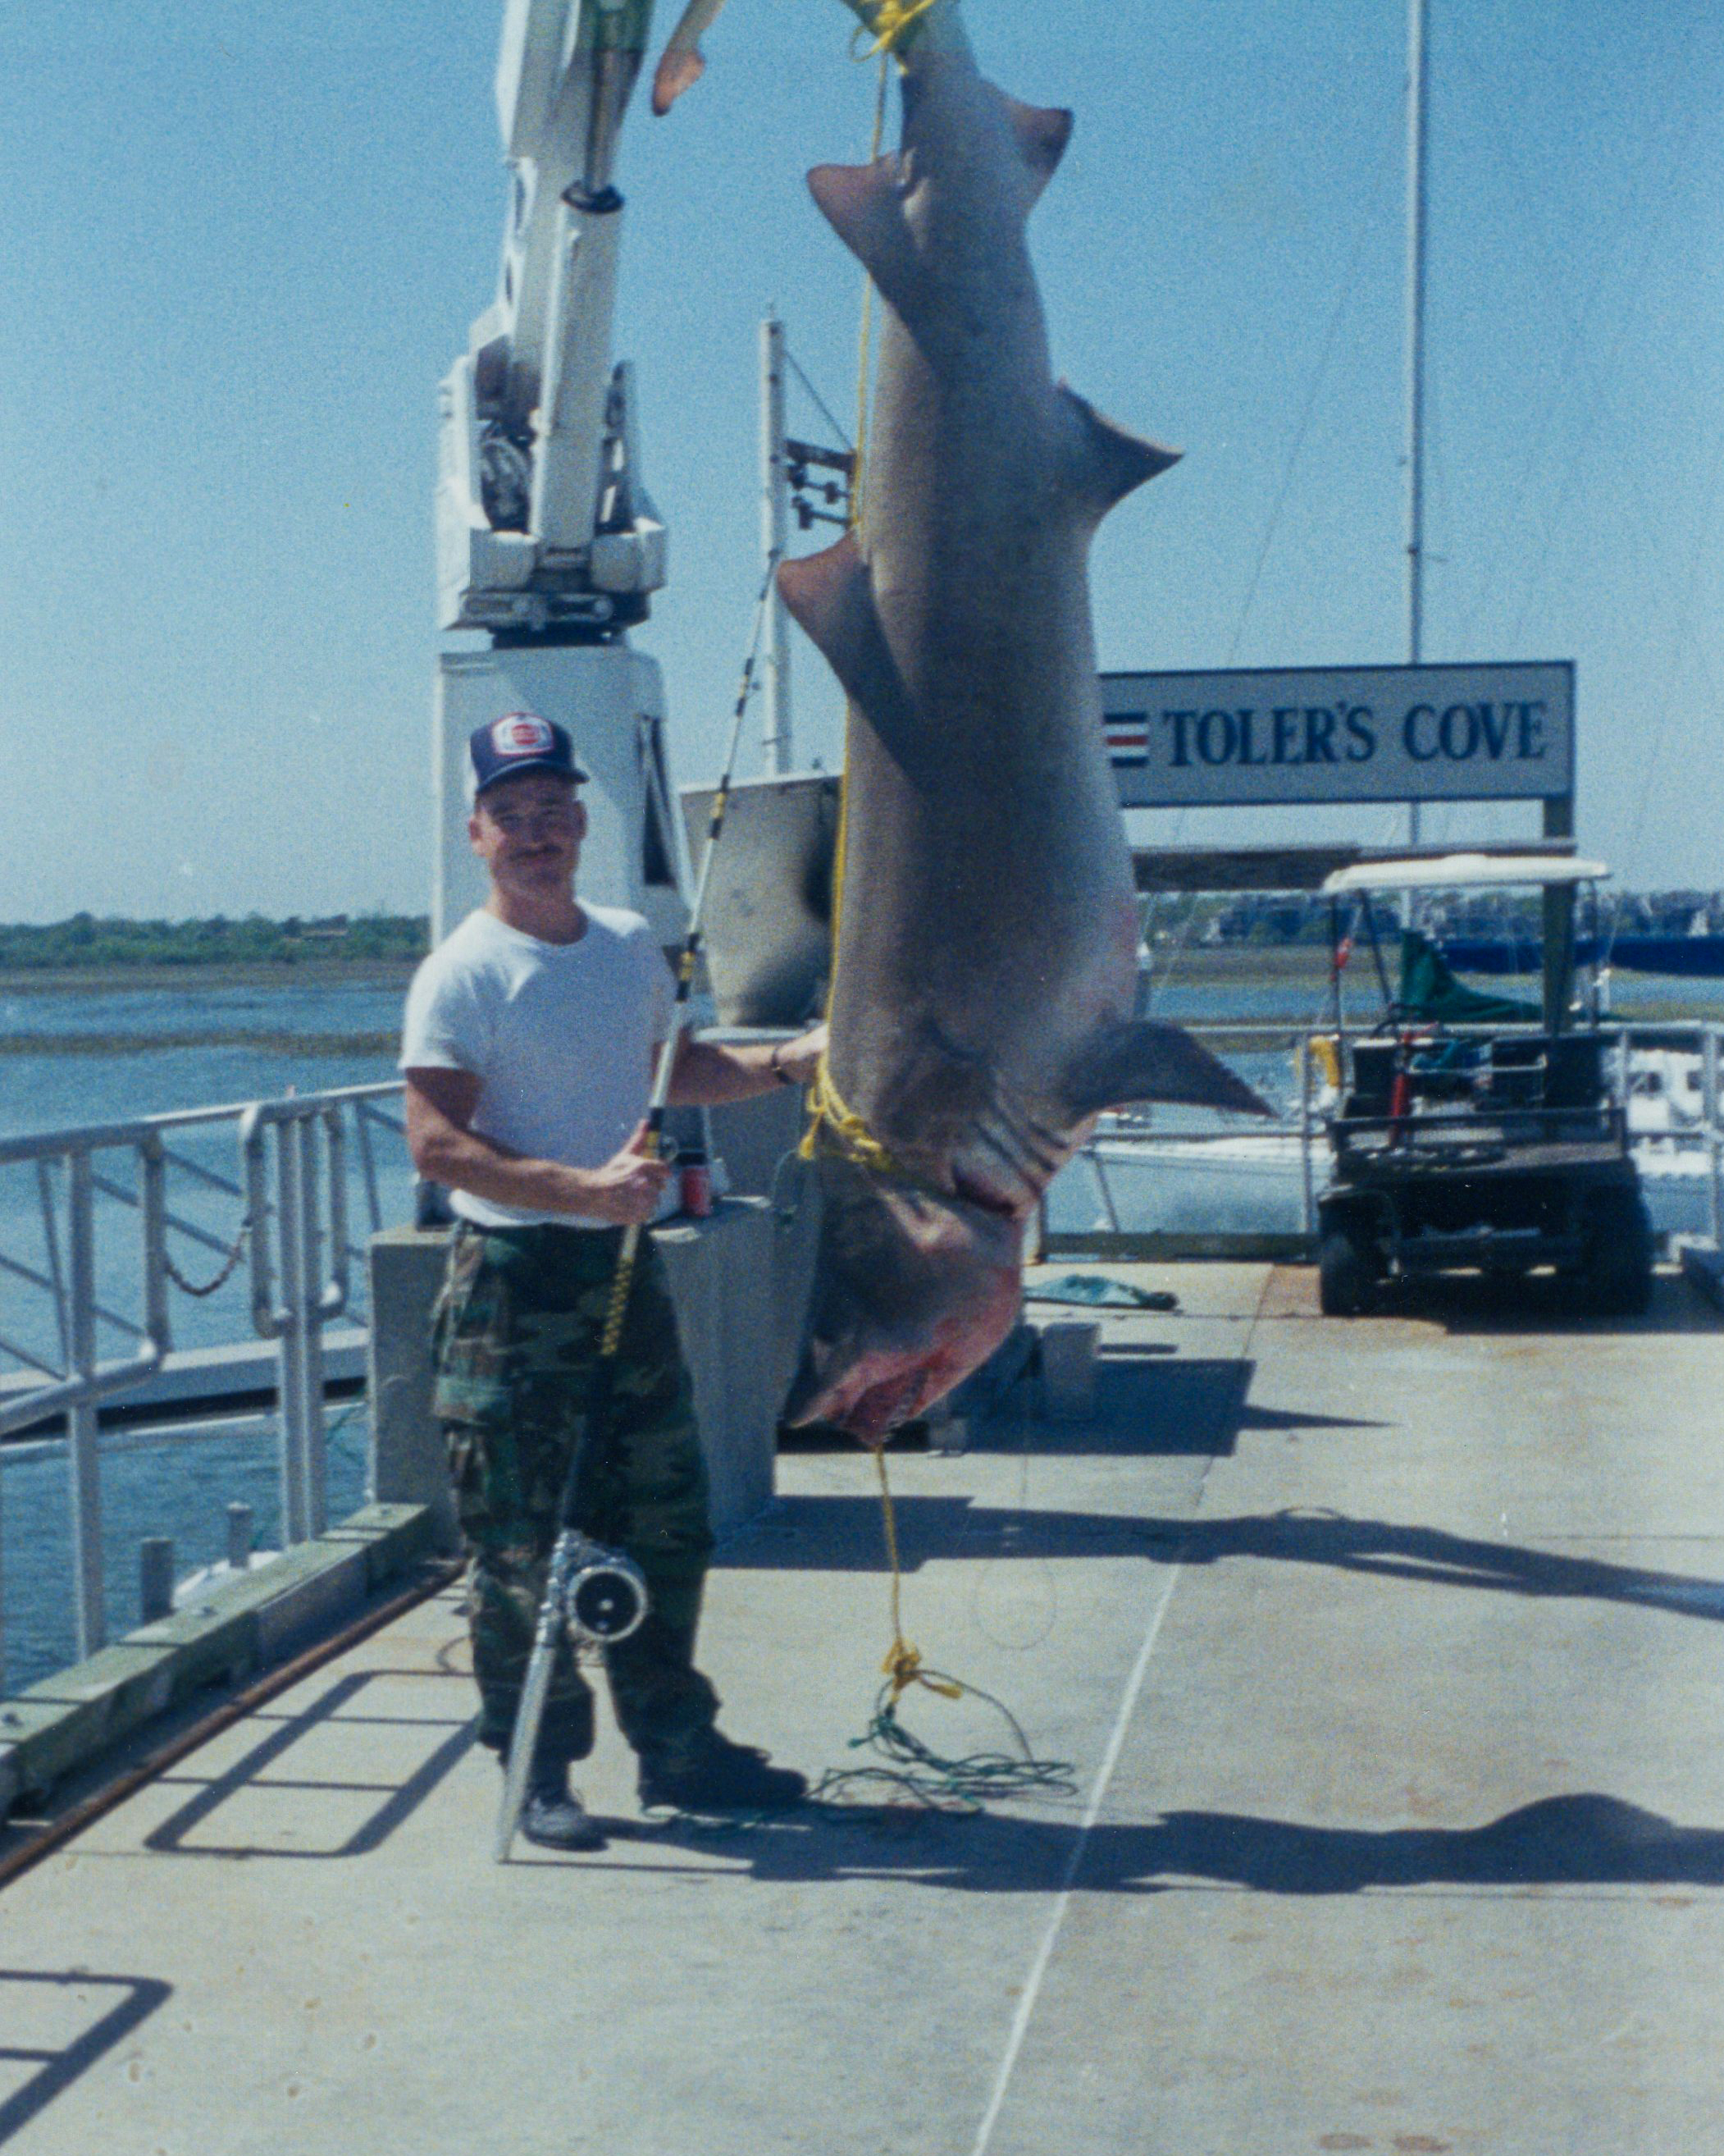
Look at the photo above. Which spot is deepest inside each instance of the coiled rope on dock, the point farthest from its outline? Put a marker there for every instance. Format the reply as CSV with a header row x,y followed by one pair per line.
x,y
910,1768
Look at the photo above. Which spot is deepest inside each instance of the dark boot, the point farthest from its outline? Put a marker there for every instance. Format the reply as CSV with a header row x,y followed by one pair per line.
x,y
553,1815
722,1777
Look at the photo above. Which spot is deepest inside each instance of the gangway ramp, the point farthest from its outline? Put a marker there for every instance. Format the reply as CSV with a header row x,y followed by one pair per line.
x,y
1386,1655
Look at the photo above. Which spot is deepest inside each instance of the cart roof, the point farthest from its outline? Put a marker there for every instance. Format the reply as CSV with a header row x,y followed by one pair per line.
x,y
1451,869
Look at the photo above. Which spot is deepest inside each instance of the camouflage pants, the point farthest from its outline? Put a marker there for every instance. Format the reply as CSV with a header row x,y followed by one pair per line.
x,y
515,1341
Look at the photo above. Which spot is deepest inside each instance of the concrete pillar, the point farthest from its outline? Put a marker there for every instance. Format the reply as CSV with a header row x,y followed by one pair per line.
x,y
408,1461
752,1137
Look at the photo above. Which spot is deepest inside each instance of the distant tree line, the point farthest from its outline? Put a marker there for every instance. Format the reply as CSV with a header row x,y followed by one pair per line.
x,y
87,940
1269,917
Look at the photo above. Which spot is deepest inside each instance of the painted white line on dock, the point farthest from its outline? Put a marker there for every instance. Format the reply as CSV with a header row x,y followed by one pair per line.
x,y
1098,1795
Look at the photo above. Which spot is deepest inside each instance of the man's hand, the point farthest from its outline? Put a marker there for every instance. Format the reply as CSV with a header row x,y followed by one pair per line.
x,y
626,1189
799,1059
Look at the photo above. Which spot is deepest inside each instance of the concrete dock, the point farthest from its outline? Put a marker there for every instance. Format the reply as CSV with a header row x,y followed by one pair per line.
x,y
1386,1657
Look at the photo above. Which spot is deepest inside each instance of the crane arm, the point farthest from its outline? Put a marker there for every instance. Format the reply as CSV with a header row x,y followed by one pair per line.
x,y
543,522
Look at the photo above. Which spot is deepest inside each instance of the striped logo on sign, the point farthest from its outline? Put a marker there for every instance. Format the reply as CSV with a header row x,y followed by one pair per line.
x,y
1127,737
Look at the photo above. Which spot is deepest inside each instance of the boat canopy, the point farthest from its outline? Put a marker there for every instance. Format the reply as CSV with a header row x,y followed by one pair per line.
x,y
1446,869
1302,867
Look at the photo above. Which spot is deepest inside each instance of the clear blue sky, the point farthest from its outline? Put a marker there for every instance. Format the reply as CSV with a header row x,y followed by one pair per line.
x,y
245,241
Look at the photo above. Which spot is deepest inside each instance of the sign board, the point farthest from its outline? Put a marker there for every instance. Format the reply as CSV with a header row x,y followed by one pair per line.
x,y
1342,733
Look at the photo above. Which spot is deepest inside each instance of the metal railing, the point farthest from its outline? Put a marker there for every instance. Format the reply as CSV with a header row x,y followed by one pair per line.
x,y
291,1176
1142,1129
1307,1124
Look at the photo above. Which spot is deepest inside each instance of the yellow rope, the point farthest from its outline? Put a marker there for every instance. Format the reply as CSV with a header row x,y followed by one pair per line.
x,y
903,1663
893,22
827,1106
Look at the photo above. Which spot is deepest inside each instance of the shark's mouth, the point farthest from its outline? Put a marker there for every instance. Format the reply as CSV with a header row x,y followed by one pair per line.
x,y
876,1390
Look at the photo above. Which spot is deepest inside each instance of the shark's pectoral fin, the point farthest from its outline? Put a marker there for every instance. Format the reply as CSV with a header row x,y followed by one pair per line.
x,y
1142,1060
1107,461
864,206
1042,132
829,597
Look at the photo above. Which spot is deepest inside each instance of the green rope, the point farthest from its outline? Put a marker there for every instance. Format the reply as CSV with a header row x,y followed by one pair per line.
x,y
912,1769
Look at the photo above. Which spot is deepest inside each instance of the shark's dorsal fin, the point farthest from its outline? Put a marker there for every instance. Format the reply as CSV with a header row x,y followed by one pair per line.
x,y
1042,132
864,206
830,597
1108,460
1143,1060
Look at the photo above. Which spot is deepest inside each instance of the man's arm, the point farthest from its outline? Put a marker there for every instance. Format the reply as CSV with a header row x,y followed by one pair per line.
x,y
440,1104
707,1073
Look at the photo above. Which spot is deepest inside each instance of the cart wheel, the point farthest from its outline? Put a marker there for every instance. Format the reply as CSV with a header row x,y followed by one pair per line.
x,y
1618,1260
1346,1275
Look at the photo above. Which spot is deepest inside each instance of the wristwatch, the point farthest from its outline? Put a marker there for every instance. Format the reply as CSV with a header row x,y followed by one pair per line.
x,y
784,1076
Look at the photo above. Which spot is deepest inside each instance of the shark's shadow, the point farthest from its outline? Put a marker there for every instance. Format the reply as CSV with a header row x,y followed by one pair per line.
x,y
842,1534
1578,1841
1151,1403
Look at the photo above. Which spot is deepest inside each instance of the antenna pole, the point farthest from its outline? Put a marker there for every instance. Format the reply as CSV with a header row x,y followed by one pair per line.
x,y
774,532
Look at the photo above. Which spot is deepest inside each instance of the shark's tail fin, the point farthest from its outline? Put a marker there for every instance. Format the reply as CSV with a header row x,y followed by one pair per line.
x,y
682,63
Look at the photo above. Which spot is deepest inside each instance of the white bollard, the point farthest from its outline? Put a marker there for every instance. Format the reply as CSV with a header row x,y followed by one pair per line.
x,y
1070,1355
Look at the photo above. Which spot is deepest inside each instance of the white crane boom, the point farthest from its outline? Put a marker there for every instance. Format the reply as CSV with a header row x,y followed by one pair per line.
x,y
543,525
546,537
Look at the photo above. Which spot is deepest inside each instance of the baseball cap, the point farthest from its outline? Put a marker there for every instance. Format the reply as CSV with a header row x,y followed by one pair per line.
x,y
520,740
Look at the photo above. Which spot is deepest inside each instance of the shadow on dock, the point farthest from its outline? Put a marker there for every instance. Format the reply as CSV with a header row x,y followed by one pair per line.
x,y
1147,1406
1469,1303
60,1997
1574,1842
397,1801
842,1534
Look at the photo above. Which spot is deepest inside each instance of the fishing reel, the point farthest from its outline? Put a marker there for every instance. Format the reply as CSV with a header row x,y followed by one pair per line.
x,y
601,1593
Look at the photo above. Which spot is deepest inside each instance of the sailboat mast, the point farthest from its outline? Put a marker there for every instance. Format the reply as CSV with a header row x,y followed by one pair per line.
x,y
1415,348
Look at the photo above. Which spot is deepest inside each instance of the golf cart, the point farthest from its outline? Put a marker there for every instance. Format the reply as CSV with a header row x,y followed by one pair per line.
x,y
1472,1133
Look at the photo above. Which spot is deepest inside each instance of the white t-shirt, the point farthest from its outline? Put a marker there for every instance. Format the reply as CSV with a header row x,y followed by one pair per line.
x,y
560,1036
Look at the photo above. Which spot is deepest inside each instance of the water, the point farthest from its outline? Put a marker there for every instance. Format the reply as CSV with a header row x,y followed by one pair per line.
x,y
178,1484
227,1046
221,1043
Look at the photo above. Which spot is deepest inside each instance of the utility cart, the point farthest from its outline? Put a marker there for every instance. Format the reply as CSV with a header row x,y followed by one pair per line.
x,y
1470,1132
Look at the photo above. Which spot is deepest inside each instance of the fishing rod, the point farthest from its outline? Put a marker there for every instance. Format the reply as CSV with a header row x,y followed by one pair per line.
x,y
597,1594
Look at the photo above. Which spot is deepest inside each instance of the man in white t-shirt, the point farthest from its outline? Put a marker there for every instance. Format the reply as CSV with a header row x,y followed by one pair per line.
x,y
527,1048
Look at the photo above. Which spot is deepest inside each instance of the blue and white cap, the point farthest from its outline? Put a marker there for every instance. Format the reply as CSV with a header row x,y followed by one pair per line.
x,y
520,740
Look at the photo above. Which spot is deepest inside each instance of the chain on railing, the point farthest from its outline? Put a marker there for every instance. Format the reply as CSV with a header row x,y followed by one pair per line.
x,y
199,1291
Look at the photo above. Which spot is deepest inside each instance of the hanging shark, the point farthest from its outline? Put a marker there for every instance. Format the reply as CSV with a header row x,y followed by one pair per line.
x,y
984,987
